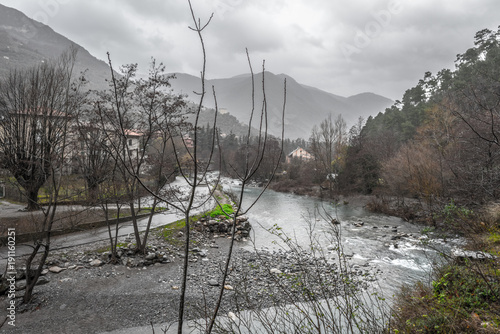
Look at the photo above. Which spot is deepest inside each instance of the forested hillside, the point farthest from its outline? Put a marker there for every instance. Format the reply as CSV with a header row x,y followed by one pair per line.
x,y
440,145
442,139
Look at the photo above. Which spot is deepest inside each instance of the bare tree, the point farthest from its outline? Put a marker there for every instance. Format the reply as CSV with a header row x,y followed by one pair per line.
x,y
328,143
132,115
415,171
111,194
253,158
37,107
147,109
91,157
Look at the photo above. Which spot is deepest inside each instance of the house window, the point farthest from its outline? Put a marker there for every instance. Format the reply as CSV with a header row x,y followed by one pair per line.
x,y
130,142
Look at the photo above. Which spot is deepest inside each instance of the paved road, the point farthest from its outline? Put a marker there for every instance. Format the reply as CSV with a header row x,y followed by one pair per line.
x,y
99,234
10,210
85,237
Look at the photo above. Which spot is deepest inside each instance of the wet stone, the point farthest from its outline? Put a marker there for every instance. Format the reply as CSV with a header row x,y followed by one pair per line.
x,y
96,263
56,269
213,282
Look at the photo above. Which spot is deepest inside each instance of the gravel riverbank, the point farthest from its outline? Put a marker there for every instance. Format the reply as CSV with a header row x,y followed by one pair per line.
x,y
89,295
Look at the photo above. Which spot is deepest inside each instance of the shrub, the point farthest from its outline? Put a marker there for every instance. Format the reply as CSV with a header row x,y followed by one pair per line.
x,y
462,299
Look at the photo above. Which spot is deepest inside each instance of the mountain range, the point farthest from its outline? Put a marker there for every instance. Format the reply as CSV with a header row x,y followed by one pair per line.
x,y
305,106
25,42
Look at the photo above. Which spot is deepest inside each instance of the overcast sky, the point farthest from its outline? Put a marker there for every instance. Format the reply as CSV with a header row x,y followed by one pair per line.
x,y
343,47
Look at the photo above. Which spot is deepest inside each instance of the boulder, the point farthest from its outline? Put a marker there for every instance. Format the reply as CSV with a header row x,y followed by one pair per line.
x,y
242,218
213,282
462,255
222,227
96,263
42,280
203,253
56,269
232,316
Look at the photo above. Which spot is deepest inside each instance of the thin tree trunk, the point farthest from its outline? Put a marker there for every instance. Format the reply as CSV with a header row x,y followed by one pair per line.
x,y
134,224
184,276
30,281
146,233
110,235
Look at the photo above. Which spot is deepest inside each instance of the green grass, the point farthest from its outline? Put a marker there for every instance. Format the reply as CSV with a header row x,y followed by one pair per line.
x,y
168,232
494,237
462,287
224,210
121,215
428,229
148,209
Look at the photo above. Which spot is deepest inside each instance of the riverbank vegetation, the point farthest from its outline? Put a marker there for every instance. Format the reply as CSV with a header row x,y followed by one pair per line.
x,y
464,295
460,300
439,143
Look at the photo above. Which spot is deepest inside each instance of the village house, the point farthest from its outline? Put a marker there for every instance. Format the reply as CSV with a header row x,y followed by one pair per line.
x,y
133,139
31,131
299,153
188,141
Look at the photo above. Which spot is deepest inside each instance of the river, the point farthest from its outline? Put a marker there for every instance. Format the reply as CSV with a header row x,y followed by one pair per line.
x,y
392,248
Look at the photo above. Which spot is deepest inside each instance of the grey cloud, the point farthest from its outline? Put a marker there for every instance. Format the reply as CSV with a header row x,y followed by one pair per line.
x,y
302,38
